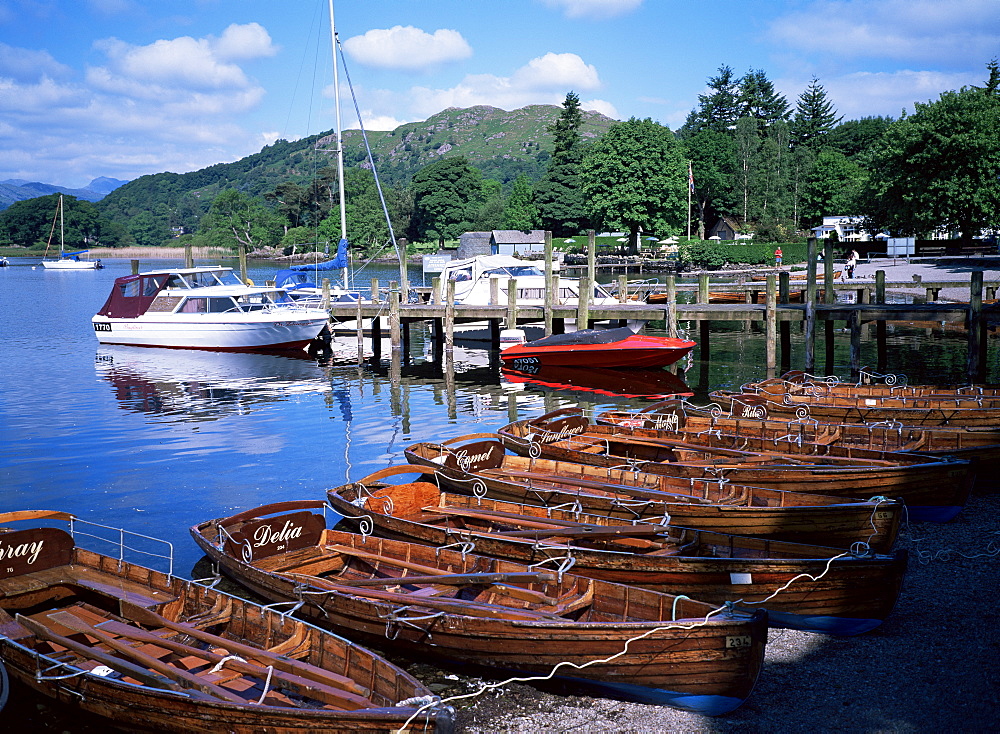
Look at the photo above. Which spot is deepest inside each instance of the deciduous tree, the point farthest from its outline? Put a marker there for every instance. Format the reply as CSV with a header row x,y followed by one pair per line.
x,y
446,194
939,168
521,212
635,177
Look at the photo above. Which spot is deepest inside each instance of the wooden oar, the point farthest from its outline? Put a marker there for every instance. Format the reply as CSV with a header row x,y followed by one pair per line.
x,y
124,667
543,525
67,619
458,579
302,686
455,606
148,617
515,591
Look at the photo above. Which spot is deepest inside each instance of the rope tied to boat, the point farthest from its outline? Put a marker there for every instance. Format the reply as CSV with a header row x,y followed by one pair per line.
x,y
463,546
565,563
267,685
826,570
393,619
878,500
486,687
219,665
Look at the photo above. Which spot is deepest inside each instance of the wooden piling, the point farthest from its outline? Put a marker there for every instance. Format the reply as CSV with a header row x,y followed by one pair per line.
x,y
671,280
395,337
854,322
511,303
880,325
449,317
188,256
770,324
810,324
551,289
243,263
977,342
361,332
785,327
592,255
325,298
135,267
583,304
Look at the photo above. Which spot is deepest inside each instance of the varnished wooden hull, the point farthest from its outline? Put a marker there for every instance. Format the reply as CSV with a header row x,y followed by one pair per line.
x,y
978,445
864,410
719,506
934,489
98,582
846,595
708,666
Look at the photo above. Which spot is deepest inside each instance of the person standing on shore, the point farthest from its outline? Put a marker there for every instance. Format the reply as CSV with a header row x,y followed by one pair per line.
x,y
852,262
777,257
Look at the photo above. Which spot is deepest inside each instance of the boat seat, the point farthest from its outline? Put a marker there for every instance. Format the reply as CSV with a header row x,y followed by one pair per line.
x,y
115,586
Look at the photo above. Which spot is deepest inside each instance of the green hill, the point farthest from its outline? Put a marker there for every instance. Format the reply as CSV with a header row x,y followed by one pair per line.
x,y
501,144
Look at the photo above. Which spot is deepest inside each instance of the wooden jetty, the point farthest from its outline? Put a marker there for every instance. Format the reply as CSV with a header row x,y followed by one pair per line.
x,y
777,312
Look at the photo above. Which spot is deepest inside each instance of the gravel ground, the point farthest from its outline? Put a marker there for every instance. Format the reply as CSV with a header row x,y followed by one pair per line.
x,y
931,667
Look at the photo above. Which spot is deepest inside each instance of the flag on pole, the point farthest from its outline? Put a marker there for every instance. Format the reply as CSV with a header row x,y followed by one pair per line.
x,y
690,178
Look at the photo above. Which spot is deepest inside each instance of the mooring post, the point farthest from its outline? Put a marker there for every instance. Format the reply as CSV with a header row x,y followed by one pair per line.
x,y
511,303
242,250
135,267
551,283
436,298
854,322
188,256
785,326
551,288
449,317
375,293
395,338
770,323
810,330
361,331
703,288
622,288
592,255
495,291
977,362
880,325
325,298
583,304
377,339
671,305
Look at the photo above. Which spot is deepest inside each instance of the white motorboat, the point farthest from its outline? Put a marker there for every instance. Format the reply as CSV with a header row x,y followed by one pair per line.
x,y
204,308
68,260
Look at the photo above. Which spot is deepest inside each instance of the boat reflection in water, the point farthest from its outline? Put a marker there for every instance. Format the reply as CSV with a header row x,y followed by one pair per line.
x,y
631,383
202,385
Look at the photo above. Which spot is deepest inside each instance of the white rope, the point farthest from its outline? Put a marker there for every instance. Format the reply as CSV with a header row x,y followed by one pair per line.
x,y
221,663
565,663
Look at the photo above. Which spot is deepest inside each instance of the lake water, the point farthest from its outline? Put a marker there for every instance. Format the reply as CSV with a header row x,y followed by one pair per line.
x,y
156,440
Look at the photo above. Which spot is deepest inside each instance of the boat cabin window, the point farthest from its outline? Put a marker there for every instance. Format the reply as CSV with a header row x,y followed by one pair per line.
x,y
462,274
175,281
194,305
256,301
151,285
221,305
514,271
130,289
201,280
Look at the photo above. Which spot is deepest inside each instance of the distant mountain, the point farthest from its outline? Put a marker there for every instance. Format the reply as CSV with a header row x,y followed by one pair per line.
x,y
17,189
501,144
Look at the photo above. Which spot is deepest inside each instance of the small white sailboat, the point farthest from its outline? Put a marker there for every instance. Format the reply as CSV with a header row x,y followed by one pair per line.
x,y
67,260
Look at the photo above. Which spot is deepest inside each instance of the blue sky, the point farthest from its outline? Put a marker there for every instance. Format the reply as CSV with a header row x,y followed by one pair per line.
x,y
123,88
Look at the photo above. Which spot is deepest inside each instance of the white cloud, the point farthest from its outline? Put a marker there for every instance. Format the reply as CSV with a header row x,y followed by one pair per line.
x,y
594,8
28,65
202,63
381,122
407,48
929,31
556,71
543,80
863,94
599,105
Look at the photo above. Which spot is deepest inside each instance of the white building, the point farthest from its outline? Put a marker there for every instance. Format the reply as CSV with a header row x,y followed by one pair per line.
x,y
848,229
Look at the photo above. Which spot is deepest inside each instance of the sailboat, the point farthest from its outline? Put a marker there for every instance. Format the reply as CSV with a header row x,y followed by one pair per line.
x,y
296,278
67,260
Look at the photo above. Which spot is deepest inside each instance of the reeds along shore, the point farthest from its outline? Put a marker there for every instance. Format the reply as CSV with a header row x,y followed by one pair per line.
x,y
158,253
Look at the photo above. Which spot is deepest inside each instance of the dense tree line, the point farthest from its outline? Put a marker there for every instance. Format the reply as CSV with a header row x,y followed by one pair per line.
x,y
744,152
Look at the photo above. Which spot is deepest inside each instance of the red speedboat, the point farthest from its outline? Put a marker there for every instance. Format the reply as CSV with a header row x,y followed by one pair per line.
x,y
597,348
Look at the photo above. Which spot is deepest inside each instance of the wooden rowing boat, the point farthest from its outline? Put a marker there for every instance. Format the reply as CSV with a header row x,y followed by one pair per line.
x,y
978,445
477,464
494,615
828,589
891,385
933,488
151,651
957,413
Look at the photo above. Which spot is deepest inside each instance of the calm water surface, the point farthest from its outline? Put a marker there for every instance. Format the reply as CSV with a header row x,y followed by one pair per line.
x,y
157,440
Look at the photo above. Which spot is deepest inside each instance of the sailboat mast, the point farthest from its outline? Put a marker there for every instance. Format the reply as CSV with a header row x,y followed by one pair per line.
x,y
61,228
340,142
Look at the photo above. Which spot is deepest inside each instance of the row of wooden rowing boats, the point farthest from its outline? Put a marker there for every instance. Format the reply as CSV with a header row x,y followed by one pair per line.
x,y
642,555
